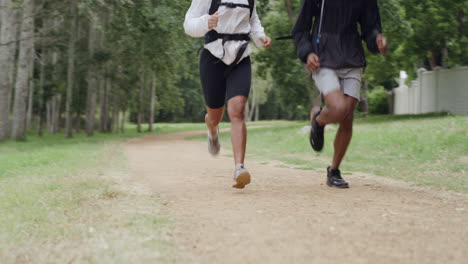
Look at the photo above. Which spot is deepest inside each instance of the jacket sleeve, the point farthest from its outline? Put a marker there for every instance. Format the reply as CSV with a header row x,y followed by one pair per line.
x,y
196,19
257,30
302,30
371,25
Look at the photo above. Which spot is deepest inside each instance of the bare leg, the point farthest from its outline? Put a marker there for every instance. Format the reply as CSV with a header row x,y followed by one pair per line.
x,y
212,119
336,109
344,134
339,109
236,107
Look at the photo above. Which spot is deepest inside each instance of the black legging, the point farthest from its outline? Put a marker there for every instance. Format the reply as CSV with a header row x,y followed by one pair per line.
x,y
222,82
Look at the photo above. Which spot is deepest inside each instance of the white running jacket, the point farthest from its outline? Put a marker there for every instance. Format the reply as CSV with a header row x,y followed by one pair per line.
x,y
231,21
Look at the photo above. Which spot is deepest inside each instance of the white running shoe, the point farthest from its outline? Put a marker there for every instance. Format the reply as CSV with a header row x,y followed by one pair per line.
x,y
213,143
241,177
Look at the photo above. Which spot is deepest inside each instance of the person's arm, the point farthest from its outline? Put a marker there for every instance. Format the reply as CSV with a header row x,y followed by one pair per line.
x,y
301,32
371,26
196,19
257,31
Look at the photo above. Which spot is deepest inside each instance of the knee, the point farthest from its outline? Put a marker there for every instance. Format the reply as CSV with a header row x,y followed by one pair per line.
x,y
236,108
339,112
236,114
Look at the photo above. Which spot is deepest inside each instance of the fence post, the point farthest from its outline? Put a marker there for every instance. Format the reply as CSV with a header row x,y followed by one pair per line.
x,y
421,88
437,86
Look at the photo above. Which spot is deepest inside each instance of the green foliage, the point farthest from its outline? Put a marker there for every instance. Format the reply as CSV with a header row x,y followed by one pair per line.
x,y
146,36
378,101
424,149
289,86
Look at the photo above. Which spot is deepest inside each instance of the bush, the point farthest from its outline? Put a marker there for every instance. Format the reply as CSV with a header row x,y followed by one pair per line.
x,y
378,100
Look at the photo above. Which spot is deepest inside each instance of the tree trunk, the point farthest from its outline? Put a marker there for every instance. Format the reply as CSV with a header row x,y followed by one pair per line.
x,y
8,31
122,124
257,112
40,96
140,102
40,92
57,114
107,120
91,105
49,116
433,59
444,55
152,103
78,122
289,9
56,100
104,98
102,101
71,72
31,91
22,79
92,83
52,115
114,124
1,15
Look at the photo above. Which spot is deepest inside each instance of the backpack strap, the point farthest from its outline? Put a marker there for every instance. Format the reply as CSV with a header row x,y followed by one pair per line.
x,y
251,6
215,4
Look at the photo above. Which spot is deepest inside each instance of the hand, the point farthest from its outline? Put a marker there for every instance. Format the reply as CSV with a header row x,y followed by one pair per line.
x,y
213,21
266,41
313,62
382,44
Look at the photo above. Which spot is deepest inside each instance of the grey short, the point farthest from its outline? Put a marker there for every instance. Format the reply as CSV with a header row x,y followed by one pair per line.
x,y
347,80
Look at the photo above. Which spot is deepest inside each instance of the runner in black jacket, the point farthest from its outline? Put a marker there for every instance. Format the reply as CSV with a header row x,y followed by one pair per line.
x,y
332,50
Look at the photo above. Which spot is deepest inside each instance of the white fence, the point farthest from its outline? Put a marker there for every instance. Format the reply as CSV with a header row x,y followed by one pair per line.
x,y
434,91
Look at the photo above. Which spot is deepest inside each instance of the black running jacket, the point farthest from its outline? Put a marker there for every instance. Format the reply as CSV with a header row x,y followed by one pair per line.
x,y
340,43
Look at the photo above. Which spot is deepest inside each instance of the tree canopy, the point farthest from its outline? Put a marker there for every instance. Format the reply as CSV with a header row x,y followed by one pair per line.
x,y
96,63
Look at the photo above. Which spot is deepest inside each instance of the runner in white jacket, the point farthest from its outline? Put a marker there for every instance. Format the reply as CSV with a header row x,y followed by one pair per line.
x,y
225,67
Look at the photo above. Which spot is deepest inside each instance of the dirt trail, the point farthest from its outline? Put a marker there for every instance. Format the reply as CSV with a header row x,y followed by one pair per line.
x,y
291,216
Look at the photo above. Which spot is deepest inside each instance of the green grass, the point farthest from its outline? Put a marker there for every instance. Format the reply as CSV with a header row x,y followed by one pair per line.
x,y
50,151
56,197
428,150
54,190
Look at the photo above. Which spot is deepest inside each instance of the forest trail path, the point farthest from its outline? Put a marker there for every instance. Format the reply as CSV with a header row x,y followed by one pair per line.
x,y
290,216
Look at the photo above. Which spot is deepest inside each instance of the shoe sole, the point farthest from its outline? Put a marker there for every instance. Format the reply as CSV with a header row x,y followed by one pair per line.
x,y
242,180
339,187
311,140
215,152
312,143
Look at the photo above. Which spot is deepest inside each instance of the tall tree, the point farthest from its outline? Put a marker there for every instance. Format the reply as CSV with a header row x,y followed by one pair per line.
x,y
23,73
71,69
141,101
92,80
8,31
152,102
31,91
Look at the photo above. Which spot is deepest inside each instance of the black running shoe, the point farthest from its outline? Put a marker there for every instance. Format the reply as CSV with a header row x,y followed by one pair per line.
x,y
316,133
334,179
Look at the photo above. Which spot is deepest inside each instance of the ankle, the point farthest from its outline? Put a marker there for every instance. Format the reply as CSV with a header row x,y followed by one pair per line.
x,y
313,111
239,166
319,121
